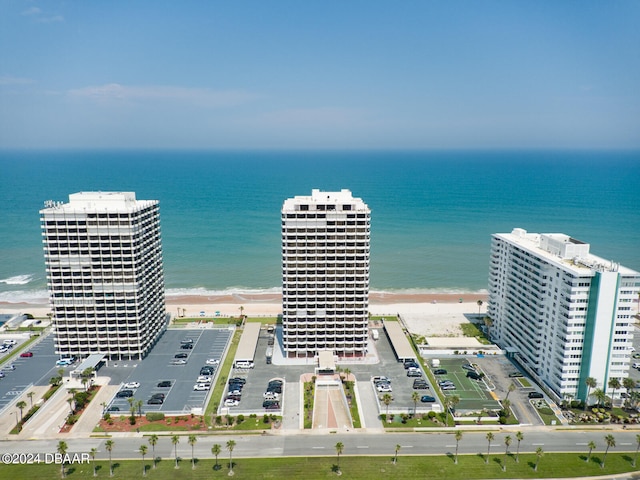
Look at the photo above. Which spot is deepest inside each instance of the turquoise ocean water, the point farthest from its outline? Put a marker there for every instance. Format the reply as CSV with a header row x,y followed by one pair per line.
x,y
432,212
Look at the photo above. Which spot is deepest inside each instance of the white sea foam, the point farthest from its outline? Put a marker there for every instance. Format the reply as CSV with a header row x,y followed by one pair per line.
x,y
25,296
203,292
17,280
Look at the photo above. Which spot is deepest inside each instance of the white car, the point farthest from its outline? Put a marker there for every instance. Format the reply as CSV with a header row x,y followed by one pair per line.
x,y
179,361
231,403
235,392
384,388
271,395
244,365
131,385
636,365
10,342
212,361
204,379
201,386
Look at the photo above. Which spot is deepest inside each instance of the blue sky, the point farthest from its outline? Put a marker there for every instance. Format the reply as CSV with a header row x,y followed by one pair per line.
x,y
319,74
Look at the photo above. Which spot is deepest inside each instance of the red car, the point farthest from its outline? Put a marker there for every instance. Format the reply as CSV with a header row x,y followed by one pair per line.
x,y
26,354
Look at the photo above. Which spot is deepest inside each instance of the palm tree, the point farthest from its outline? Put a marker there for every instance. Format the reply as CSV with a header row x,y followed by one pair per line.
x,y
591,446
450,404
347,372
611,442
395,457
109,446
62,450
21,405
93,452
539,453
192,441
386,399
139,404
507,442
230,445
490,437
415,397
339,450
215,450
30,395
511,388
600,395
479,302
458,438
175,440
519,437
591,383
635,457
143,452
153,440
614,384
488,323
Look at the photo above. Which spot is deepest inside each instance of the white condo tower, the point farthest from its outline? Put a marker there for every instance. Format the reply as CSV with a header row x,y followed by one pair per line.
x,y
103,258
325,274
564,313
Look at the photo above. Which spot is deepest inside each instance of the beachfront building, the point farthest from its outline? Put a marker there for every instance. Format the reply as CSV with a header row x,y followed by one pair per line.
x,y
564,313
105,277
325,274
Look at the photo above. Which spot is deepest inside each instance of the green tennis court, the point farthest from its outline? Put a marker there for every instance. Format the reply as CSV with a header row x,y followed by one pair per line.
x,y
472,393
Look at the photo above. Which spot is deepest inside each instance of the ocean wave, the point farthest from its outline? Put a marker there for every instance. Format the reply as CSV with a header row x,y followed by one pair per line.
x,y
429,291
17,280
203,292
25,296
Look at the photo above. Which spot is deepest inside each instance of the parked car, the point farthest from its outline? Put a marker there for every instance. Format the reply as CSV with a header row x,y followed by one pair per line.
x,y
206,371
636,365
181,355
420,386
26,354
414,373
244,365
10,341
158,395
113,409
380,379
515,374
203,379
439,371
186,341
384,388
427,399
187,346
212,361
445,382
408,365
131,385
124,393
63,362
164,384
270,403
201,387
469,367
535,395
231,403
179,361
474,375
240,380
448,387
271,395
155,401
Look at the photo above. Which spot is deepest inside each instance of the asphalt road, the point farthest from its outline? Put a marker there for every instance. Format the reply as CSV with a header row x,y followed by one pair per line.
x,y
252,446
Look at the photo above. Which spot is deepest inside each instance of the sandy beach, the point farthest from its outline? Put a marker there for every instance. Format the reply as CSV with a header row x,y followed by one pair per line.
x,y
428,314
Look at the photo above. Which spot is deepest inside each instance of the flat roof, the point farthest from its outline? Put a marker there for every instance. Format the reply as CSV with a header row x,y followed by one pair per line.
x,y
326,361
248,342
398,339
90,362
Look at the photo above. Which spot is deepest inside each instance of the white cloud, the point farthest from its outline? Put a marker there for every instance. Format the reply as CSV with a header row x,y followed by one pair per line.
x,y
39,17
204,97
50,19
32,11
11,80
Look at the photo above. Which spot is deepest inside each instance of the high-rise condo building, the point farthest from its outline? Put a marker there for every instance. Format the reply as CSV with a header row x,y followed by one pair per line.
x,y
105,277
325,274
564,313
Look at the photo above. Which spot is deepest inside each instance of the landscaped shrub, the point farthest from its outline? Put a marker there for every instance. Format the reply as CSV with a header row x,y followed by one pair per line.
x,y
431,415
154,416
240,419
265,419
132,420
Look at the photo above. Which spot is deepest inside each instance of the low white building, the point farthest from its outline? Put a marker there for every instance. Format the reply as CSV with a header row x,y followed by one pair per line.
x,y
567,313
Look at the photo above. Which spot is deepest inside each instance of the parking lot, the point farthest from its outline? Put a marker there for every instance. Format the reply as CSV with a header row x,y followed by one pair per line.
x,y
158,366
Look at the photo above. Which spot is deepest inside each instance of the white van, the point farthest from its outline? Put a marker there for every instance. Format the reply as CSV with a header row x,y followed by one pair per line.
x,y
244,365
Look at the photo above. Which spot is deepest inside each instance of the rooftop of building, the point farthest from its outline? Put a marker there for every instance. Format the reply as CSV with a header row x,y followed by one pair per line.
x,y
93,201
564,251
318,197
